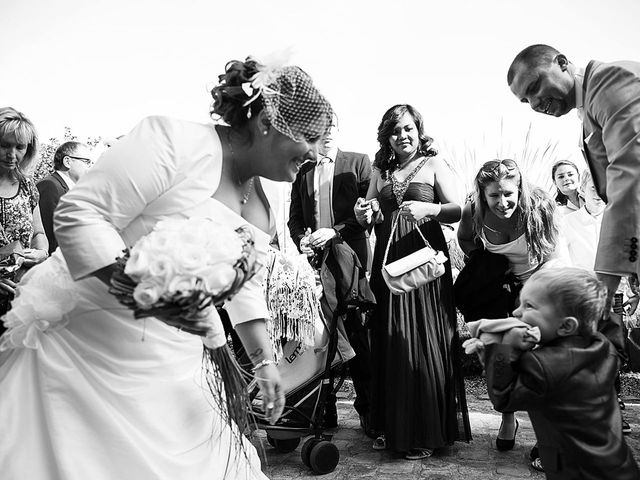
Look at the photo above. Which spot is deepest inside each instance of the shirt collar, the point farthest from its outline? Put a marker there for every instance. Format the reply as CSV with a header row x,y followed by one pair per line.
x,y
331,155
66,178
579,82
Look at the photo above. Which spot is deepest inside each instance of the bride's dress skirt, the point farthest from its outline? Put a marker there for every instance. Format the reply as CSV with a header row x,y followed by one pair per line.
x,y
105,396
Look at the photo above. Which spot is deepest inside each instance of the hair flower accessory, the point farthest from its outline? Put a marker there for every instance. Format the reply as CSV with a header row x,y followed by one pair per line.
x,y
267,75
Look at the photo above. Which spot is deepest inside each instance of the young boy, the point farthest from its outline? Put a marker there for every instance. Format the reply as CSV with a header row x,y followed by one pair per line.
x,y
566,383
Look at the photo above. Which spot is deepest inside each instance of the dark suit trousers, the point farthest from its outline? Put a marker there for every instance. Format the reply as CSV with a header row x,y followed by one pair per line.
x,y
358,367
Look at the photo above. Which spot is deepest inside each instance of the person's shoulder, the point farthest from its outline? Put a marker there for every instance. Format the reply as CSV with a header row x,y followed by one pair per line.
x,y
602,77
28,183
352,155
171,124
174,135
438,162
51,178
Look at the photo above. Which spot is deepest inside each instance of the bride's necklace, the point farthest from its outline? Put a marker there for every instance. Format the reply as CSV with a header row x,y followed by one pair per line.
x,y
247,193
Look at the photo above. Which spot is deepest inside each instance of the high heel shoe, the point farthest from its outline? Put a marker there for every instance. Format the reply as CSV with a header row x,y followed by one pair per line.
x,y
503,445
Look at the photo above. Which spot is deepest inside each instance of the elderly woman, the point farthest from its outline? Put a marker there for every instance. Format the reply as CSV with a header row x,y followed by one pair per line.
x,y
21,228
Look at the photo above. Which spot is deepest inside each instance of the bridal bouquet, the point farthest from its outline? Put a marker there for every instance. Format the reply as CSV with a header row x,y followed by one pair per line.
x,y
181,272
183,269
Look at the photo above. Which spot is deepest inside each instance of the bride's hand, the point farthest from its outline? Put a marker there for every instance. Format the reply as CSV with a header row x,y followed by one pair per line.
x,y
270,383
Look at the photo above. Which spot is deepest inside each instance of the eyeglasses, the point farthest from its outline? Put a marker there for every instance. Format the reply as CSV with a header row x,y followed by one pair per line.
x,y
86,161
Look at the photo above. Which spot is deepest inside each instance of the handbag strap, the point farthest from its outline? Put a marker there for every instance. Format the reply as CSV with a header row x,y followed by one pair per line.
x,y
393,231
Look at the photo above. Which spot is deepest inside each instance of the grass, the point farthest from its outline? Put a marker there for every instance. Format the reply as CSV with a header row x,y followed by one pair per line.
x,y
534,158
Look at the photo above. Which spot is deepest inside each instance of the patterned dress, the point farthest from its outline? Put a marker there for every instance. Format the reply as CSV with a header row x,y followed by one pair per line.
x,y
16,214
418,388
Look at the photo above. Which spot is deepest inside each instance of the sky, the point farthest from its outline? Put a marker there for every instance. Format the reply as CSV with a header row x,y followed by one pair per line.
x,y
99,67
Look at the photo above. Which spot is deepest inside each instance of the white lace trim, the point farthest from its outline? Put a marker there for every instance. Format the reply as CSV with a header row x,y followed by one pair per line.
x,y
43,298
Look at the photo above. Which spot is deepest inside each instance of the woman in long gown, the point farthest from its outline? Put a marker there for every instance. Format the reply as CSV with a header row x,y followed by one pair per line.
x,y
110,397
418,390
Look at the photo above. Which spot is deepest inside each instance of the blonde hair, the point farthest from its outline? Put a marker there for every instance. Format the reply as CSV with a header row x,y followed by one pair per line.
x,y
575,293
16,123
536,210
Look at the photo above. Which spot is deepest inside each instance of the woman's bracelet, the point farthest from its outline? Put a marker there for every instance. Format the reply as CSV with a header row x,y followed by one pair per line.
x,y
264,363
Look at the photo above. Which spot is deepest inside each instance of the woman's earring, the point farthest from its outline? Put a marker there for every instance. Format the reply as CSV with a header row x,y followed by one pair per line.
x,y
265,132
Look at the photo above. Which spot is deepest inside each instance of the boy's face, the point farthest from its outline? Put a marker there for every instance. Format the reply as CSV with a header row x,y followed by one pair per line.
x,y
538,310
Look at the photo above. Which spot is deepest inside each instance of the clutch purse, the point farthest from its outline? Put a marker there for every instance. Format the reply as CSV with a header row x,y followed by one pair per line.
x,y
414,270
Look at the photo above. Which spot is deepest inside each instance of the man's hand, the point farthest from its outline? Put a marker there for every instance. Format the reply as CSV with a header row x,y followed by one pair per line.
x,y
611,282
363,211
305,243
320,237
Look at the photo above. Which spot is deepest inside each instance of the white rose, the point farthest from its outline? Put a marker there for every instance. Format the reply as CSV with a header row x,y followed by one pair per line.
x,y
161,268
192,260
160,241
182,283
225,246
147,293
138,263
220,278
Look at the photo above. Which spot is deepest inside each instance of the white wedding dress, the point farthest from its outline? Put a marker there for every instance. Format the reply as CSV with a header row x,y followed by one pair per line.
x,y
102,395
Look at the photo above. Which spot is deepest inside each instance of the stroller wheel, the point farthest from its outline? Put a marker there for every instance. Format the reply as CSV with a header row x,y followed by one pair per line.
x,y
305,452
283,445
324,457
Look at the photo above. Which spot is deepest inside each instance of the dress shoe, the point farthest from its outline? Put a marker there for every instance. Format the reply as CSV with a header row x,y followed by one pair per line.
x,y
506,444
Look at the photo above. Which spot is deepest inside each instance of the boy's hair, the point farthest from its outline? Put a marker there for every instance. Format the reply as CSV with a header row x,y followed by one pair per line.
x,y
575,293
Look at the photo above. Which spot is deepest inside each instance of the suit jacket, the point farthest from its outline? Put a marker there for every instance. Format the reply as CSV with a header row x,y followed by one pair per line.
x,y
611,129
350,180
567,387
51,189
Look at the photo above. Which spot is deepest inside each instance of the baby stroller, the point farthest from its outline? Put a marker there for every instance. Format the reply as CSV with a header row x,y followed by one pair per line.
x,y
306,375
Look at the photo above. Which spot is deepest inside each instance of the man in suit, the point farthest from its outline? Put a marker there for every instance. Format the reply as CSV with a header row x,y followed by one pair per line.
x,y
322,200
607,98
71,161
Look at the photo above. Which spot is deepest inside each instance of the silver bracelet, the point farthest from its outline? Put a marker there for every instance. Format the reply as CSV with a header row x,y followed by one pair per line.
x,y
264,363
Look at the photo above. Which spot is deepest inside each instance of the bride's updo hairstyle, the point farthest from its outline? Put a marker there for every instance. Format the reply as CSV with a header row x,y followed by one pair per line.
x,y
385,159
287,95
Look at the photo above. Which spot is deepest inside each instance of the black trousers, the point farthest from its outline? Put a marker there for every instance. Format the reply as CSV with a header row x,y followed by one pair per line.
x,y
358,367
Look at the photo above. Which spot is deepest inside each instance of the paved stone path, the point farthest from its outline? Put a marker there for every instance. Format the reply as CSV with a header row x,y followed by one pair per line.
x,y
477,460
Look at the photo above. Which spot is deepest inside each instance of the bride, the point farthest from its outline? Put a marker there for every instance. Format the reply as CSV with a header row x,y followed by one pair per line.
x,y
111,397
